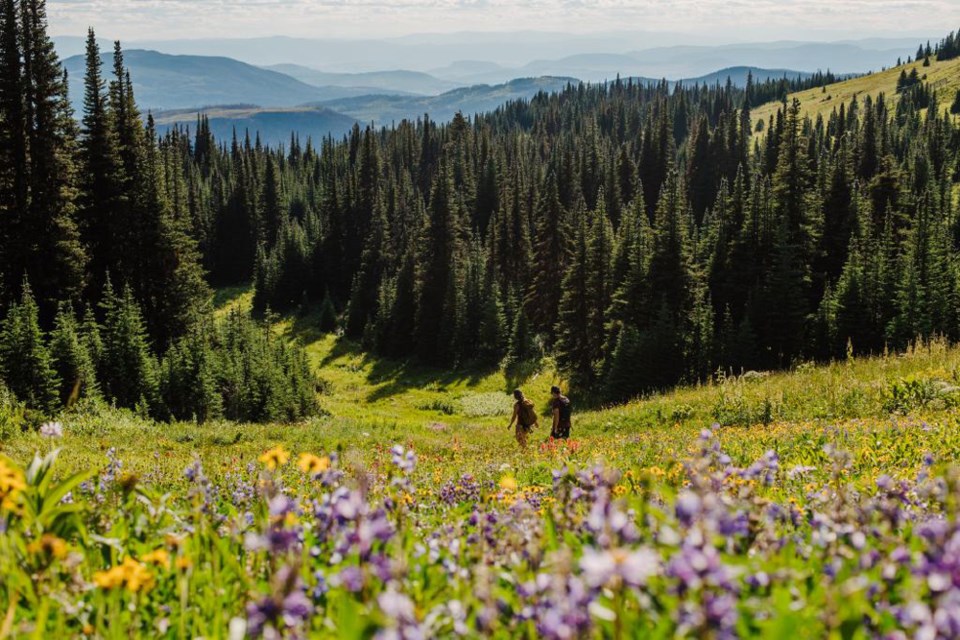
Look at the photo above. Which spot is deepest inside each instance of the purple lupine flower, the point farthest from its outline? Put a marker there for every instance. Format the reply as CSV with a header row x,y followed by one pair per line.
x,y
286,610
51,430
687,507
405,461
351,578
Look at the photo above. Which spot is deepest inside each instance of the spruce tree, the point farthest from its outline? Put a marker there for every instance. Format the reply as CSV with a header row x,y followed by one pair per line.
x,y
101,203
71,358
25,362
442,246
13,147
600,283
573,349
550,253
128,370
55,260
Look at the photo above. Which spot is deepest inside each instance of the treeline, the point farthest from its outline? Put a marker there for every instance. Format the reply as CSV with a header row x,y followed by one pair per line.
x,y
89,205
947,49
235,368
777,89
639,234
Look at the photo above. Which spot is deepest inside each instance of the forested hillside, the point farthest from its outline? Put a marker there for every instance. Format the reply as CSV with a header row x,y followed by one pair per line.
x,y
641,234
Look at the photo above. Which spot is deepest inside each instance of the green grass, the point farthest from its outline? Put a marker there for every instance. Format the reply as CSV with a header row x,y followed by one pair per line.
x,y
456,420
944,77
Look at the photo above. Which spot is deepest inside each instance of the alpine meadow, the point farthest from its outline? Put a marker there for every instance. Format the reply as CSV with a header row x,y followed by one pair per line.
x,y
570,358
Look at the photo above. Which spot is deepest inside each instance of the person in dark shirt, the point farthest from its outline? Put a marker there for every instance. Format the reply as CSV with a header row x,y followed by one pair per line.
x,y
560,404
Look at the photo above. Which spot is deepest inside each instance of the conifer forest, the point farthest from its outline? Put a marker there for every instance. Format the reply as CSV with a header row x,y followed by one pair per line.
x,y
621,359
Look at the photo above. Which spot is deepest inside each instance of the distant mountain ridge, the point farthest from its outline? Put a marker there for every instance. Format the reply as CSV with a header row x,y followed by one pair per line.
x,y
384,110
274,126
163,81
492,58
400,81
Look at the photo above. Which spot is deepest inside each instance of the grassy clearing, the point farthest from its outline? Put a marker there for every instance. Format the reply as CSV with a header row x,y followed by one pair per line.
x,y
456,420
944,77
794,509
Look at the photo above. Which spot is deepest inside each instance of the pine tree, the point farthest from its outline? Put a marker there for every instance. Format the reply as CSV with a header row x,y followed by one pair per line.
x,y
573,348
102,203
128,371
550,254
25,361
55,260
437,286
71,359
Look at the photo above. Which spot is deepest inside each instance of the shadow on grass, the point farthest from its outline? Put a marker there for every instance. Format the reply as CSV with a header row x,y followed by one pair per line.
x,y
392,377
306,326
519,372
225,296
395,377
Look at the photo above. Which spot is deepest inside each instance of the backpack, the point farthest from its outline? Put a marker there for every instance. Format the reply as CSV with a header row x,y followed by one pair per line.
x,y
528,414
565,409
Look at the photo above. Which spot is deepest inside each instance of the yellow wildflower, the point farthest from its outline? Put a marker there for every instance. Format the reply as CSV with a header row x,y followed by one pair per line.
x,y
508,484
11,484
109,579
130,573
276,457
313,465
138,576
183,563
49,545
158,558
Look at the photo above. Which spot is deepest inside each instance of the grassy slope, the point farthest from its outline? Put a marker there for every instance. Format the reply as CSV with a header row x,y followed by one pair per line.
x,y
942,76
457,420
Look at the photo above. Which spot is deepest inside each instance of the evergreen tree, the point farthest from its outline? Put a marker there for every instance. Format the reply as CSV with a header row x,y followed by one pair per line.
x,y
25,361
13,147
549,259
55,259
327,322
436,308
71,358
573,348
102,202
128,370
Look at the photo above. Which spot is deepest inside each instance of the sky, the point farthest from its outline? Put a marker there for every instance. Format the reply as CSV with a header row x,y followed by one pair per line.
x,y
720,20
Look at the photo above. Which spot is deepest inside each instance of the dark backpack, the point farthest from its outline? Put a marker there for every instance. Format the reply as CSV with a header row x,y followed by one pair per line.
x,y
566,410
528,414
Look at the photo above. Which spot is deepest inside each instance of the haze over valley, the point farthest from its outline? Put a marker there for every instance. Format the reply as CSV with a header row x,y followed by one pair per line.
x,y
316,87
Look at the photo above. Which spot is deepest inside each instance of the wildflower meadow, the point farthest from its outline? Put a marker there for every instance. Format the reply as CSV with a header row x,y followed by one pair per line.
x,y
114,527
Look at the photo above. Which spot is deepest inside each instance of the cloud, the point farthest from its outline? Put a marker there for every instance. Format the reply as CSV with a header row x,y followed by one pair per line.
x,y
729,20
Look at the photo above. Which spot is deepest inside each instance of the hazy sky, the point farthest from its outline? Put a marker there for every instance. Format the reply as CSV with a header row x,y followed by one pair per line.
x,y
724,20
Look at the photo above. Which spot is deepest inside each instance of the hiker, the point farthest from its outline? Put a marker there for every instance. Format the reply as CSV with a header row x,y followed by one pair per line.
x,y
525,417
560,405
